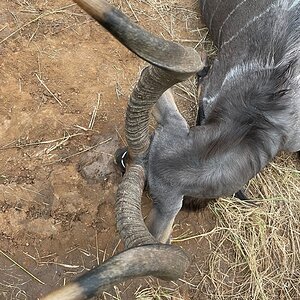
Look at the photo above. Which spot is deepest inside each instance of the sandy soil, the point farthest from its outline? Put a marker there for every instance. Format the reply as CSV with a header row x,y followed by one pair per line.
x,y
57,179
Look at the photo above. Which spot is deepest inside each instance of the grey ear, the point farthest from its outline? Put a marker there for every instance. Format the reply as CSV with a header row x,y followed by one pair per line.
x,y
162,216
164,107
166,112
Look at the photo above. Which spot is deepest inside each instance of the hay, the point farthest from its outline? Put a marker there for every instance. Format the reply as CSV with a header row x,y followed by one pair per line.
x,y
258,253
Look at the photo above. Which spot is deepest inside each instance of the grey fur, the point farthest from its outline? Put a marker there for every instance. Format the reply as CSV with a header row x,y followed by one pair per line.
x,y
251,100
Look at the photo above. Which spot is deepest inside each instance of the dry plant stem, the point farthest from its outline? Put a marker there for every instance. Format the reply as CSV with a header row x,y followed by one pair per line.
x,y
21,267
45,86
78,153
16,145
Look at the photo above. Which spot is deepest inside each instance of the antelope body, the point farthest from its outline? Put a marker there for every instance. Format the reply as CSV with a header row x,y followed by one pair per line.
x,y
251,100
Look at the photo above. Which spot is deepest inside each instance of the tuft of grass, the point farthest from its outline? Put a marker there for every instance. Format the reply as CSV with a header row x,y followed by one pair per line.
x,y
157,293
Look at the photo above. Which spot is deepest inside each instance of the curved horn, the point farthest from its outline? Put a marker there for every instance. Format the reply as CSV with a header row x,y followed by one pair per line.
x,y
172,63
152,84
171,56
123,266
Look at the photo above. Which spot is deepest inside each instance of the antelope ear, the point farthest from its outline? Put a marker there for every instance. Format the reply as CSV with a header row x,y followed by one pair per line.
x,y
164,106
166,113
161,218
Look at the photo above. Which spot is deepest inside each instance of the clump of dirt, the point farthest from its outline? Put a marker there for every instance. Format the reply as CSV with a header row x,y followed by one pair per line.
x,y
97,165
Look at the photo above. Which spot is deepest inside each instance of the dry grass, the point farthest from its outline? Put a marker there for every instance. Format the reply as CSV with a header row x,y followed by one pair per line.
x,y
258,250
158,293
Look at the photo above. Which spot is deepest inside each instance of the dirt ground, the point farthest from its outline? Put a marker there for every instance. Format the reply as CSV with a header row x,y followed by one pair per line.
x,y
64,85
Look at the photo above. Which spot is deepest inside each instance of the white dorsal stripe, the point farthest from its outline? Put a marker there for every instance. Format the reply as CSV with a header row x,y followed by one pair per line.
x,y
295,3
256,18
236,72
228,17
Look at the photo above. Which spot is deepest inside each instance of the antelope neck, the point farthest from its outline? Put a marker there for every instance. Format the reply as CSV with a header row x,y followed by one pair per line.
x,y
218,164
